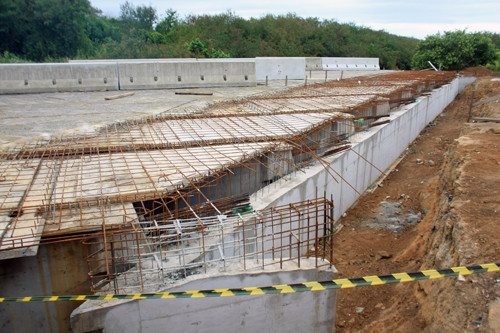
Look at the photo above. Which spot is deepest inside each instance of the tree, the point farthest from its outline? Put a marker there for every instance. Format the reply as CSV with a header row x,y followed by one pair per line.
x,y
454,51
169,23
140,17
198,49
43,29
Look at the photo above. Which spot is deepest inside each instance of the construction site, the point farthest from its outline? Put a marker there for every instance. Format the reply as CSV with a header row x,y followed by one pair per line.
x,y
241,176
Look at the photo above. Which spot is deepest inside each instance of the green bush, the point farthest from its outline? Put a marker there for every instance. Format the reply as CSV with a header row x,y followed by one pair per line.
x,y
495,64
454,51
8,57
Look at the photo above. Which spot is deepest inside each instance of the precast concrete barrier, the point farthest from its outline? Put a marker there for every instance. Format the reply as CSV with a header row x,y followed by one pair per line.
x,y
314,64
97,61
186,74
350,64
57,77
127,74
280,68
95,75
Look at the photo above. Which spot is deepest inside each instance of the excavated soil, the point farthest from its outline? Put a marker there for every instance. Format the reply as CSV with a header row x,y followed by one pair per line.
x,y
448,182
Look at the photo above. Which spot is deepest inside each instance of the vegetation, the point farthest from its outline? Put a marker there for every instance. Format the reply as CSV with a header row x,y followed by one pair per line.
x,y
55,30
48,30
455,50
495,64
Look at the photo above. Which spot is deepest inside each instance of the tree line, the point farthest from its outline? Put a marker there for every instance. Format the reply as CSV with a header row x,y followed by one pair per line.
x,y
55,30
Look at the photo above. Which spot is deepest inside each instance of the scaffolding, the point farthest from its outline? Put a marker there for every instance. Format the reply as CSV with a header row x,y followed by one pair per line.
x,y
149,255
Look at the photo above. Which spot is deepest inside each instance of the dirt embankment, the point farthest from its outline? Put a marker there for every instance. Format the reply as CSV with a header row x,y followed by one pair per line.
x,y
466,228
449,180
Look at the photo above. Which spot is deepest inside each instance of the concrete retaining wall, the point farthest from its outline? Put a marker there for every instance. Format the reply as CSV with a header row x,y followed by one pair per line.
x,y
37,78
280,68
298,312
380,145
350,64
57,269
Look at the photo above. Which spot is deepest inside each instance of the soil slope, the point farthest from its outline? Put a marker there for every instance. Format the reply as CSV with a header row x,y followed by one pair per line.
x,y
441,203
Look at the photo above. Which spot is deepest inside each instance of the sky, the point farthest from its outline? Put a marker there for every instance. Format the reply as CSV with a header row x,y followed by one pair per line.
x,y
405,18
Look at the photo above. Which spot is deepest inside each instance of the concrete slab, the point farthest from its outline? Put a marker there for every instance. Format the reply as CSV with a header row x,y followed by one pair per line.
x,y
33,117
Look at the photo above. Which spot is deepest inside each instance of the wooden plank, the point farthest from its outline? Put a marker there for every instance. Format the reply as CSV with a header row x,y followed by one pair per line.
x,y
22,239
88,219
109,98
194,93
487,120
487,100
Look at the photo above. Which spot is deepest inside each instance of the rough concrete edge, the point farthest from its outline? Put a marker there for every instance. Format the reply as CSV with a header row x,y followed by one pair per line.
x,y
105,305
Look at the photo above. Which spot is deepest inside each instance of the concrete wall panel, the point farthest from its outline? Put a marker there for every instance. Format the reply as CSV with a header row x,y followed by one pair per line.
x,y
350,64
299,312
96,61
279,68
123,75
37,78
314,64
57,269
186,74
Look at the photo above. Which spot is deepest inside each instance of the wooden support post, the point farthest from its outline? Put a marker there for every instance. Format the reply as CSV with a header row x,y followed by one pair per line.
x,y
470,107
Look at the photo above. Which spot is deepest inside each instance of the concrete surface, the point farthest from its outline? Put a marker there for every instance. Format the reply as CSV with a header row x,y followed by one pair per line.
x,y
96,61
314,64
297,312
186,74
121,75
380,145
36,78
32,117
127,74
350,64
279,68
57,269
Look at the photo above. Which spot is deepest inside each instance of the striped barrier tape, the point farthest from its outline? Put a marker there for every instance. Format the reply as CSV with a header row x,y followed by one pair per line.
x,y
280,289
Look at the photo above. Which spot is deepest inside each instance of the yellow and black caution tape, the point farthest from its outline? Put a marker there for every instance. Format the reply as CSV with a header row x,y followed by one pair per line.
x,y
280,289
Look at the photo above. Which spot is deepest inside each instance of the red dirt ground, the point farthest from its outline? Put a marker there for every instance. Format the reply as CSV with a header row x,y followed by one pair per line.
x,y
451,176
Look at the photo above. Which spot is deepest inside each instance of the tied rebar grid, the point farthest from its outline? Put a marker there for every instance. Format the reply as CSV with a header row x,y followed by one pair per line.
x,y
151,254
167,164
